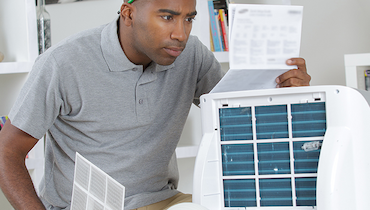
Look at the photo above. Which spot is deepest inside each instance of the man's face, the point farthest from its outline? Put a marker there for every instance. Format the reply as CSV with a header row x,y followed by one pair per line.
x,y
161,29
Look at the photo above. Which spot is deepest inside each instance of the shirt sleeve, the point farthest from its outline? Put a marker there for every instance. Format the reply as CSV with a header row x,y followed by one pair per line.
x,y
38,103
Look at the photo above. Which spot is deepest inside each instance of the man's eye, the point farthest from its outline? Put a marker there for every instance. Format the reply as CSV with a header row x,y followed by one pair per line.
x,y
190,19
167,17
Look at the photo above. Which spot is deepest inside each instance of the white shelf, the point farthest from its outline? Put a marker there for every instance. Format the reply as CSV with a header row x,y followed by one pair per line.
x,y
355,65
15,67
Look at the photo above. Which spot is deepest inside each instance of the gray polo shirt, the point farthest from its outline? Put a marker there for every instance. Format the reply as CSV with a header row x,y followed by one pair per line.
x,y
88,97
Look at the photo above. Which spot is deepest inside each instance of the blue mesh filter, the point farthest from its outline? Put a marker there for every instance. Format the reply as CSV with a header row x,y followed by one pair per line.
x,y
240,193
272,122
308,120
273,158
305,161
237,159
236,124
276,192
306,191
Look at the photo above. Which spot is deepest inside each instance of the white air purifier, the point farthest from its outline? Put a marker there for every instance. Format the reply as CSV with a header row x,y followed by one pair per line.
x,y
290,148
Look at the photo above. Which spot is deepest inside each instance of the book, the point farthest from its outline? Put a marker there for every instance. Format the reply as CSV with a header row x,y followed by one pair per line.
x,y
214,31
224,29
367,80
212,46
219,33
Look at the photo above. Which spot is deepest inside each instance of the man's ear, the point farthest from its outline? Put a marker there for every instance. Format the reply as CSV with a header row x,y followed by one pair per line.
x,y
126,13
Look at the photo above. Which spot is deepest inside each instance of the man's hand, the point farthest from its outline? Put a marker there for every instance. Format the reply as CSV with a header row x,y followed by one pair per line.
x,y
294,77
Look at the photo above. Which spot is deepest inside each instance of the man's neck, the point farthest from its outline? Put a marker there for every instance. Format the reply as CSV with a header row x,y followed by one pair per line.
x,y
123,38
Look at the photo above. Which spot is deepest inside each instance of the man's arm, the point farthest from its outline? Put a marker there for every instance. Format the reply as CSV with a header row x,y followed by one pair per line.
x,y
294,77
15,180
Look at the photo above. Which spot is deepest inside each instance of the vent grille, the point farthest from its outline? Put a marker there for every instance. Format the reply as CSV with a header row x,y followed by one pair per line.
x,y
272,122
273,158
240,192
238,159
276,192
236,124
308,120
306,191
305,161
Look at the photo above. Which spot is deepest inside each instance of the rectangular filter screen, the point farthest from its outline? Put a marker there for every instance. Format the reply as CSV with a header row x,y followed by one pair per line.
x,y
273,157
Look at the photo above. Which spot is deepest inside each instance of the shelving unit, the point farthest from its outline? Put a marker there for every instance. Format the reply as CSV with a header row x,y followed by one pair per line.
x,y
18,42
355,65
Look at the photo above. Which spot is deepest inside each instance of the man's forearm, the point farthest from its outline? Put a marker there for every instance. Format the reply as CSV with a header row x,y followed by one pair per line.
x,y
16,182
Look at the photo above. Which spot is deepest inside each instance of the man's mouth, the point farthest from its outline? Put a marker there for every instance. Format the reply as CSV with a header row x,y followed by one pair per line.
x,y
174,51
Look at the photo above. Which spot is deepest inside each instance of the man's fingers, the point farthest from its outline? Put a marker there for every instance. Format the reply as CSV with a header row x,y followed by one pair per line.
x,y
293,78
296,61
299,62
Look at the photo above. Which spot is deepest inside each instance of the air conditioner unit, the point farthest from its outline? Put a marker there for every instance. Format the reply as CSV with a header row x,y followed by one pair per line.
x,y
289,148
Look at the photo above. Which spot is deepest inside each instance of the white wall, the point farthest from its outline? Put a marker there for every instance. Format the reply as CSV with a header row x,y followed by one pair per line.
x,y
70,18
331,29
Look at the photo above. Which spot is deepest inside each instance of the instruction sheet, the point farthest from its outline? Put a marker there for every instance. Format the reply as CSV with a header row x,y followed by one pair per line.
x,y
262,38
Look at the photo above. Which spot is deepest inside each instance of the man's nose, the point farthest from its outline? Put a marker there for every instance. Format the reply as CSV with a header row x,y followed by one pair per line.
x,y
179,32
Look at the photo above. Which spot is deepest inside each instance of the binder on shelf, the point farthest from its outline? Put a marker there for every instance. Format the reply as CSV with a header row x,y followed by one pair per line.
x,y
214,32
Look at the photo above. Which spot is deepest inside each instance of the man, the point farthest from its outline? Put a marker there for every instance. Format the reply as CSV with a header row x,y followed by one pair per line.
x,y
118,94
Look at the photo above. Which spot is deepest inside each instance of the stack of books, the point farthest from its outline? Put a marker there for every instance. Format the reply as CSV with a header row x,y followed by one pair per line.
x,y
219,25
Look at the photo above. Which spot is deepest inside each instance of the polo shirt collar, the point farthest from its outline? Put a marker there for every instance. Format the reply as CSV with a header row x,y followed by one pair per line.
x,y
114,55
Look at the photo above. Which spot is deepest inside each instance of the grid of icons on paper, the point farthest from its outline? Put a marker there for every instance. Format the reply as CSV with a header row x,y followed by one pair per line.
x,y
93,189
272,160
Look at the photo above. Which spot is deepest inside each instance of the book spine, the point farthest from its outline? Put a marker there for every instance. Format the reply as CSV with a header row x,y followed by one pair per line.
x,y
224,29
210,36
215,37
219,33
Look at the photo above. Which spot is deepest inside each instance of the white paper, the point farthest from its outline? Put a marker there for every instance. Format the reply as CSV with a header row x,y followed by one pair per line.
x,y
242,79
262,39
93,189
